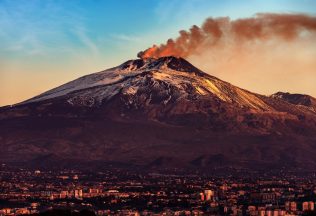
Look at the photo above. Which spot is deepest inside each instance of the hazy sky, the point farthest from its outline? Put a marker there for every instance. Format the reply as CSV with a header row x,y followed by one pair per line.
x,y
45,43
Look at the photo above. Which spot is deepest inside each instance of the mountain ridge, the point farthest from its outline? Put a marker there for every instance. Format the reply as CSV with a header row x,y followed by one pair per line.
x,y
297,99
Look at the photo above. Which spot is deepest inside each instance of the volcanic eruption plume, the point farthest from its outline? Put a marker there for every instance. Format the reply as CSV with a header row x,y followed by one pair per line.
x,y
262,27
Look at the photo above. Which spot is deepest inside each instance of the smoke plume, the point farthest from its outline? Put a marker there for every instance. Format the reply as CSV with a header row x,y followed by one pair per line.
x,y
265,53
262,27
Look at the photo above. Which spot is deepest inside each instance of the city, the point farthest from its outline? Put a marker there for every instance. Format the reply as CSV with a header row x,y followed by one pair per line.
x,y
122,192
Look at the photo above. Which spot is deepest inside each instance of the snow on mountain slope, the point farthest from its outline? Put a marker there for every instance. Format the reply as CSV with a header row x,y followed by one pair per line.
x,y
166,73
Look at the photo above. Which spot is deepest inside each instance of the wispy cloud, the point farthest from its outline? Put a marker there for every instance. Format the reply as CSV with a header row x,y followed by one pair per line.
x,y
81,33
42,28
124,37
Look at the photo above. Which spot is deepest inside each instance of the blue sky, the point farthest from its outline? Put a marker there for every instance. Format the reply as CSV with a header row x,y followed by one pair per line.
x,y
55,41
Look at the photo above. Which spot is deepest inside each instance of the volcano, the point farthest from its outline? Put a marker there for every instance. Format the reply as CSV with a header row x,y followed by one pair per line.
x,y
160,113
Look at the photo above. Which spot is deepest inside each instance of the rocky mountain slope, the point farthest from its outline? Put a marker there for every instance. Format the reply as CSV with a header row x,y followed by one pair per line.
x,y
159,113
297,99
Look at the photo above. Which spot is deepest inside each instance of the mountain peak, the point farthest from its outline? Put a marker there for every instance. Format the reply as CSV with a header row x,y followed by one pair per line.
x,y
171,62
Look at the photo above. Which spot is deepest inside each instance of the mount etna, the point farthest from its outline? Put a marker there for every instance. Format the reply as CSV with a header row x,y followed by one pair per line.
x,y
160,112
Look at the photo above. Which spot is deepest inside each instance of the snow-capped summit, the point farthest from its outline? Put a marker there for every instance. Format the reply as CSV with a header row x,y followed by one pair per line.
x,y
171,62
118,75
166,77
